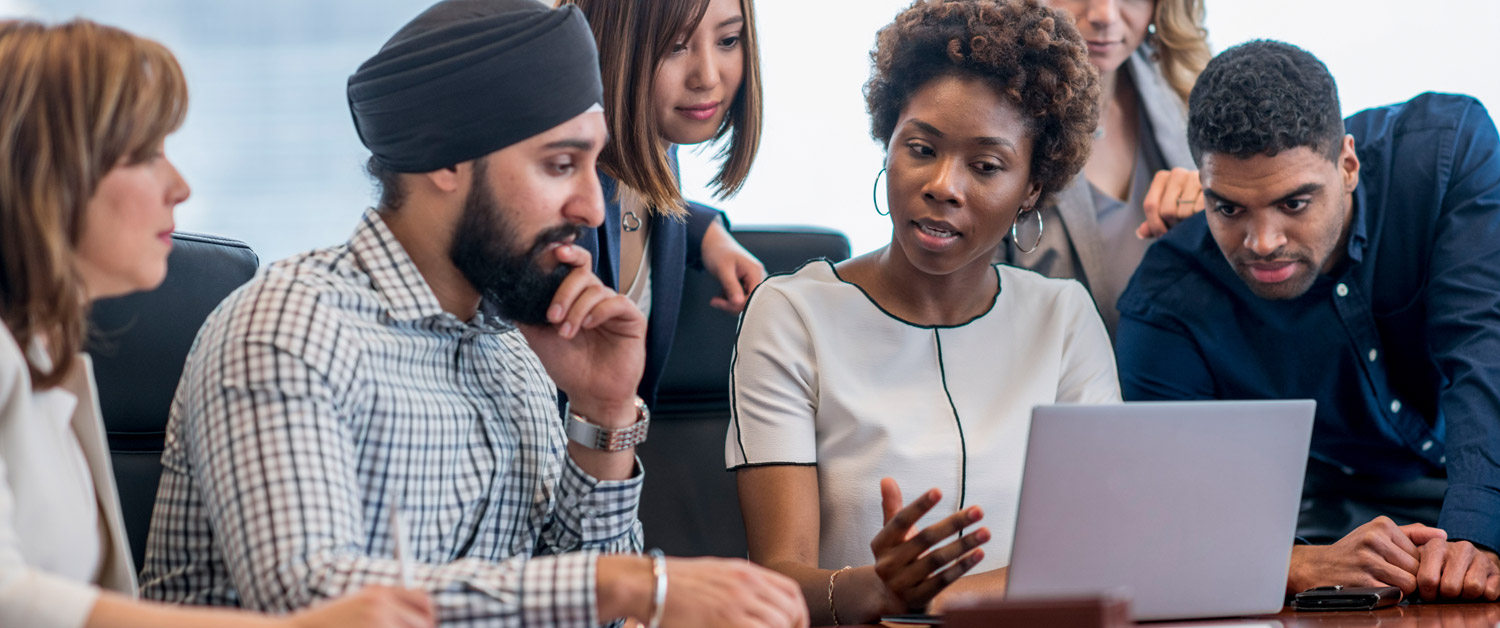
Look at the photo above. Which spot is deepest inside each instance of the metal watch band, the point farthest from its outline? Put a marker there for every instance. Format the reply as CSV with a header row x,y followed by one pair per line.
x,y
580,430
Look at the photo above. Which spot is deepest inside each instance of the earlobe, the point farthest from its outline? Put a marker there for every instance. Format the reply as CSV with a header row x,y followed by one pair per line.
x,y
448,179
1033,193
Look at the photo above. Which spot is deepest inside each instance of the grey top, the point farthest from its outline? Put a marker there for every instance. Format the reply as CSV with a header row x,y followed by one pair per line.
x,y
1118,221
1096,244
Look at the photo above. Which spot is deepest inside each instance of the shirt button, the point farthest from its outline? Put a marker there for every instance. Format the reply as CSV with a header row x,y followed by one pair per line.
x,y
1373,354
1396,406
1347,470
1426,445
1443,460
1342,290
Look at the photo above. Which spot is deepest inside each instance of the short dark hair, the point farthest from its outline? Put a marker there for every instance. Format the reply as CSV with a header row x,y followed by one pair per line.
x,y
388,185
1031,55
1263,97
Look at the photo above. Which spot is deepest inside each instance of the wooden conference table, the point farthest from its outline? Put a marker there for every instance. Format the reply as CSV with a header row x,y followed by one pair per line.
x,y
1402,616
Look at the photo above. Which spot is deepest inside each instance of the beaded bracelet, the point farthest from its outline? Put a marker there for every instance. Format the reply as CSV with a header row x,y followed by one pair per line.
x,y
833,610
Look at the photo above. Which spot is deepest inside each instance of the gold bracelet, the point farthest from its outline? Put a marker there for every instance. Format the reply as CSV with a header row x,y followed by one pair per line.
x,y
833,610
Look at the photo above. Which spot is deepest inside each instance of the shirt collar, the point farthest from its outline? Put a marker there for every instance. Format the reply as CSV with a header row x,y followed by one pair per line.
x,y
1358,239
392,273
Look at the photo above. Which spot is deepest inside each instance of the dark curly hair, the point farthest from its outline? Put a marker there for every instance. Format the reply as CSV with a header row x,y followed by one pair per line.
x,y
1263,97
1032,55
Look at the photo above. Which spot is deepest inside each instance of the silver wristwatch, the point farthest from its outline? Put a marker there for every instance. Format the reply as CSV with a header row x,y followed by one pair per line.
x,y
593,436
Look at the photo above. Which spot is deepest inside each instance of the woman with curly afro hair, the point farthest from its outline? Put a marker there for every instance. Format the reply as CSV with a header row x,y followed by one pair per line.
x,y
918,364
1140,178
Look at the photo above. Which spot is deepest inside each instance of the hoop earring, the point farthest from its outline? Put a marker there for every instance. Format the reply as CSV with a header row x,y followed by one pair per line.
x,y
875,194
1040,227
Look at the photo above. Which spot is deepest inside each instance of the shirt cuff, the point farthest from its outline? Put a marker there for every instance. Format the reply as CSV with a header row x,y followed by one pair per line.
x,y
560,591
601,512
1472,513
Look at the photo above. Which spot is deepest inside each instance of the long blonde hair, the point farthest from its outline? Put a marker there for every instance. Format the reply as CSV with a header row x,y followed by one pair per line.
x,y
75,100
1181,43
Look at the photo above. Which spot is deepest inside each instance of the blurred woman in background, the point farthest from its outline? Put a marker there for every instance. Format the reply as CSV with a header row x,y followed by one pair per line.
x,y
1140,178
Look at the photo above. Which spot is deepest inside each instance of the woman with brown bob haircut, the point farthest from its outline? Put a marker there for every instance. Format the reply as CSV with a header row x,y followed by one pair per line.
x,y
918,364
675,72
86,201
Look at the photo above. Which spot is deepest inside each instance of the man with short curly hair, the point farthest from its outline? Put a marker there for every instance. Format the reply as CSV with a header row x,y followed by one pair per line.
x,y
1355,262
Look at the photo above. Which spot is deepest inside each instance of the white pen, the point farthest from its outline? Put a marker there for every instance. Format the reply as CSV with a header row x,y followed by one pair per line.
x,y
398,537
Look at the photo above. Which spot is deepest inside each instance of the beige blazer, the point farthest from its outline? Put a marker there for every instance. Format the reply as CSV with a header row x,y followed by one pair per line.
x,y
1071,246
33,472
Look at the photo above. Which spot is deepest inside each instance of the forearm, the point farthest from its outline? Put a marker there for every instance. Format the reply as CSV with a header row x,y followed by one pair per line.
x,y
987,585
1299,573
625,585
858,594
113,610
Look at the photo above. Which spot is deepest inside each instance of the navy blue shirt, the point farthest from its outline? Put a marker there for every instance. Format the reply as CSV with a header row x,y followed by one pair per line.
x,y
1399,345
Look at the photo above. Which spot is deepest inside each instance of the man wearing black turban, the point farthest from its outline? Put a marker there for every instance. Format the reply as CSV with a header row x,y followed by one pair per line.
x,y
383,412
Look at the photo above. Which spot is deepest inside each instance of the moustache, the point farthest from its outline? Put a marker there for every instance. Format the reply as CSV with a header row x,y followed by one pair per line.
x,y
561,234
1276,257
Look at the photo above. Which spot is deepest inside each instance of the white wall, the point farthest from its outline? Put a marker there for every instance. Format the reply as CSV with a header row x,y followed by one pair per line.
x,y
273,159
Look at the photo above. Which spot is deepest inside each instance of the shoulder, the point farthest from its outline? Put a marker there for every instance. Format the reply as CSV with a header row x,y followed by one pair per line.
x,y
1426,112
1062,301
812,279
294,303
1177,264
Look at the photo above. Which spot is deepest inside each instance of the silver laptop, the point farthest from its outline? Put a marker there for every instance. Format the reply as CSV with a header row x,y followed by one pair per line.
x,y
1189,508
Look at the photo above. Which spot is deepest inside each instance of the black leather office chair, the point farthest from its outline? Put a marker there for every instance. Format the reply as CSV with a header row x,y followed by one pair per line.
x,y
690,506
139,343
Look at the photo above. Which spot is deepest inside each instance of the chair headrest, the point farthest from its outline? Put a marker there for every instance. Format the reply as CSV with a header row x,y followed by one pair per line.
x,y
696,378
139,342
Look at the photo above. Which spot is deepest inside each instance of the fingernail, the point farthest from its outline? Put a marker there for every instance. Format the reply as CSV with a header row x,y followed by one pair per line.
x,y
588,320
975,514
566,330
554,313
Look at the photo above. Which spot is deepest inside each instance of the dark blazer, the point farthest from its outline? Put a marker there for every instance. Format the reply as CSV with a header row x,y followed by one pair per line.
x,y
675,245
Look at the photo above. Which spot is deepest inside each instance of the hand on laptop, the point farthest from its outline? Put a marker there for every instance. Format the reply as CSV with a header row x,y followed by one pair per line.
x,y
1457,570
912,575
1378,553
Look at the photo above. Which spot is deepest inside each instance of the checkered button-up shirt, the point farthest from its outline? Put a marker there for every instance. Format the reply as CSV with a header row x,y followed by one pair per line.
x,y
332,386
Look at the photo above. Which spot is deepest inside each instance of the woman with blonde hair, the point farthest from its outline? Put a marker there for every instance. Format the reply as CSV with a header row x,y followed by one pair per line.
x,y
1140,178
86,201
676,72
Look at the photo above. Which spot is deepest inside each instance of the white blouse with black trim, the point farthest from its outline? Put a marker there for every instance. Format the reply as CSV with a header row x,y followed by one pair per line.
x,y
824,376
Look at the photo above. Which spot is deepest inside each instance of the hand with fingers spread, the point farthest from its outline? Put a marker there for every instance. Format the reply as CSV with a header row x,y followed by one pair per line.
x,y
1174,196
909,567
1378,553
1453,570
737,270
594,346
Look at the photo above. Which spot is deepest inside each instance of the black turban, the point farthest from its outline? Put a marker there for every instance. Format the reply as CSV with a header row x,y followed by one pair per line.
x,y
470,77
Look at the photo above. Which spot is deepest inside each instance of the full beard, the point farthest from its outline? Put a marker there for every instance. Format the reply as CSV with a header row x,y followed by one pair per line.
x,y
505,272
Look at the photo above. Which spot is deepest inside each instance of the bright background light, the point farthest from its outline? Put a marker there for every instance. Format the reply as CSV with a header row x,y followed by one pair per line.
x,y
273,159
